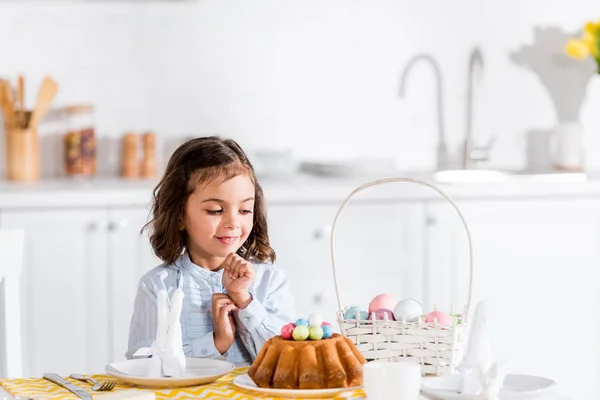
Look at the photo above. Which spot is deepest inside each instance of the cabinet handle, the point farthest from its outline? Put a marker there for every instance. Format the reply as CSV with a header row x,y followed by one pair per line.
x,y
95,226
122,223
318,299
322,232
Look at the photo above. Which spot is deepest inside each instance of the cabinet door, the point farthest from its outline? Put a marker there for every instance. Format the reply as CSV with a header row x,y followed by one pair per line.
x,y
64,290
130,258
378,249
536,263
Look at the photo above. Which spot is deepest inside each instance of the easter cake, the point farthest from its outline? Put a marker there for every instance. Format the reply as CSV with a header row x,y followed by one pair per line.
x,y
307,355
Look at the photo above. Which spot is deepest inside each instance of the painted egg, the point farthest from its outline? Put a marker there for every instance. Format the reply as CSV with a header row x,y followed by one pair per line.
x,y
351,313
327,331
300,332
380,315
315,319
302,321
409,309
286,331
315,333
382,301
440,317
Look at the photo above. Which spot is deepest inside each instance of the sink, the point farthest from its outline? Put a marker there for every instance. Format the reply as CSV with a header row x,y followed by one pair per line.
x,y
458,176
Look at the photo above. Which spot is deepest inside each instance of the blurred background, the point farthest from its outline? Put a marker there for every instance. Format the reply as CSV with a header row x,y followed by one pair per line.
x,y
320,78
497,103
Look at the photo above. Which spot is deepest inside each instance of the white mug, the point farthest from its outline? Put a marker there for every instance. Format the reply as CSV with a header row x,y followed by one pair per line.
x,y
568,147
375,381
392,380
404,380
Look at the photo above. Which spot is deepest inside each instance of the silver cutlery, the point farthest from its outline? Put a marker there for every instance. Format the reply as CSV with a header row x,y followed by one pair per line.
x,y
98,386
55,378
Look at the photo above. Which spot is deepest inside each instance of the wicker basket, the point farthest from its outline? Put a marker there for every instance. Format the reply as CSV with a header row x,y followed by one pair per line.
x,y
438,348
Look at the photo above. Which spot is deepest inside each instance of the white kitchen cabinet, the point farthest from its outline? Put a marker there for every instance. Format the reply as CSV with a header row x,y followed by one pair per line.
x,y
536,263
79,283
379,249
64,289
130,257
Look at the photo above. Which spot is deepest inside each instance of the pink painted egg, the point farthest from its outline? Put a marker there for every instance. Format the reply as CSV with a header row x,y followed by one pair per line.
x,y
385,300
442,318
286,331
380,315
325,323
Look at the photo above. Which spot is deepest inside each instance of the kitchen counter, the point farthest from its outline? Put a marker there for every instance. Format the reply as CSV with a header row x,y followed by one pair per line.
x,y
299,189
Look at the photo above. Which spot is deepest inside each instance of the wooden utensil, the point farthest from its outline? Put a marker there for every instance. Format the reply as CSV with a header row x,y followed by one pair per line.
x,y
7,104
21,93
45,96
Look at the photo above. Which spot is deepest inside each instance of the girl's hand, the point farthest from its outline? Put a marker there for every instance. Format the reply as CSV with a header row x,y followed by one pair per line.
x,y
223,321
238,275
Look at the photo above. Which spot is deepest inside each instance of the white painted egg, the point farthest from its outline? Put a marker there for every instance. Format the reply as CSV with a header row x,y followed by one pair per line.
x,y
315,319
409,309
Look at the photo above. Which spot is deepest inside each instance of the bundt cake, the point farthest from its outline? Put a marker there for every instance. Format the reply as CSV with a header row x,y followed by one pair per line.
x,y
334,362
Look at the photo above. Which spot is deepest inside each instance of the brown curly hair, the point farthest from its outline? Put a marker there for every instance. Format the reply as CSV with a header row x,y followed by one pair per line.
x,y
195,162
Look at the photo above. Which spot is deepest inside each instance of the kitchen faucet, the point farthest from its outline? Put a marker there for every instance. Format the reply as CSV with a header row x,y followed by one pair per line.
x,y
442,150
471,153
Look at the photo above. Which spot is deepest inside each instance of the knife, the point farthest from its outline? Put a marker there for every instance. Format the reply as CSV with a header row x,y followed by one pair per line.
x,y
55,378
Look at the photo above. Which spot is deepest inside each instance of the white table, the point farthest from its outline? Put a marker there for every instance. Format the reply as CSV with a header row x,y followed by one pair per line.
x,y
4,395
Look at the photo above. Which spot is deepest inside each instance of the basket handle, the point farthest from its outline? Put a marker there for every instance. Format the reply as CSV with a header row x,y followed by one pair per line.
x,y
420,182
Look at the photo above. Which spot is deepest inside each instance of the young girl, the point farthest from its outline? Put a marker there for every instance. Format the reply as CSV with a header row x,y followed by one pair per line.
x,y
209,227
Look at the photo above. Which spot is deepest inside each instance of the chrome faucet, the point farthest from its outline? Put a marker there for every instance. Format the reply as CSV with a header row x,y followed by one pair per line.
x,y
471,153
442,148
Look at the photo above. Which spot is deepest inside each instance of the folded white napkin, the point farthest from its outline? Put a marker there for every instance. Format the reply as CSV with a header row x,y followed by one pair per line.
x,y
481,374
167,349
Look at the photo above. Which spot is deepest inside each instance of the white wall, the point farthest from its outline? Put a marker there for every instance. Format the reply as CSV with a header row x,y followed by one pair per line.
x,y
295,73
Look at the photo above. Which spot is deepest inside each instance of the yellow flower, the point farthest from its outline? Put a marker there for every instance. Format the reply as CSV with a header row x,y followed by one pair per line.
x,y
591,28
578,49
591,41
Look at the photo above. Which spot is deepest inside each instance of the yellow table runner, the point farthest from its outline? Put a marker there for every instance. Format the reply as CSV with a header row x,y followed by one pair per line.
x,y
223,388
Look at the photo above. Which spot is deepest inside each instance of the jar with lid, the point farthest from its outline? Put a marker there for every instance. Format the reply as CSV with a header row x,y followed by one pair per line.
x,y
80,141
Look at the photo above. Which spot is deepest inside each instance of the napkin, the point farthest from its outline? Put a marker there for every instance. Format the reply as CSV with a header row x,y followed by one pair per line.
x,y
168,359
481,374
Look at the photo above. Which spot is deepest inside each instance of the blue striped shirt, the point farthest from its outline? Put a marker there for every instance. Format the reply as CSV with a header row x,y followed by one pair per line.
x,y
272,306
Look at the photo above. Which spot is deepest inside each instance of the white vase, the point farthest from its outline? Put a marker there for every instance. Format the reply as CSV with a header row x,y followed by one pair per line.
x,y
568,147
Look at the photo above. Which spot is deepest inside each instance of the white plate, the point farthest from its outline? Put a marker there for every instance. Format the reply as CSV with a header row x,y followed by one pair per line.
x,y
515,387
198,371
349,166
244,382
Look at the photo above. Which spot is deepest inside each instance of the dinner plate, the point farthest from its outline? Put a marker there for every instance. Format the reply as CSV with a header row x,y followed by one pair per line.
x,y
198,371
515,387
244,382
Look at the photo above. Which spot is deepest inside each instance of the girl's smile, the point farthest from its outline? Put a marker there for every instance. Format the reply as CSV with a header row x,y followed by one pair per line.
x,y
228,240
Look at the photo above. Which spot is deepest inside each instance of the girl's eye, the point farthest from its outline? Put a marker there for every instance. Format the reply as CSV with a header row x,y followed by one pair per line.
x,y
214,212
246,212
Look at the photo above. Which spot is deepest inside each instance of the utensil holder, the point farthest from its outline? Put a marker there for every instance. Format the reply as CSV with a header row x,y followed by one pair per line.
x,y
21,153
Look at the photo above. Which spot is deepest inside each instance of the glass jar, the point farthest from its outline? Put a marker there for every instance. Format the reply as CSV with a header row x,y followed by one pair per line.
x,y
80,141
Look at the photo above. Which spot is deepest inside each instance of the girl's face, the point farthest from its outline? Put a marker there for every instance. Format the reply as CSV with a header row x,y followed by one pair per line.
x,y
219,219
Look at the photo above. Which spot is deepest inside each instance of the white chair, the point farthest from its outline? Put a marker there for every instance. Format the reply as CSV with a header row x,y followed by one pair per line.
x,y
12,242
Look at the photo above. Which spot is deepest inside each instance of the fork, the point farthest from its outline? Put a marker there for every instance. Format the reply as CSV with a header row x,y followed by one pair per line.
x,y
98,386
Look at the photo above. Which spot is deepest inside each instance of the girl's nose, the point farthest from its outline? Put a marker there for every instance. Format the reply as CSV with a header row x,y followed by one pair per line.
x,y
232,221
